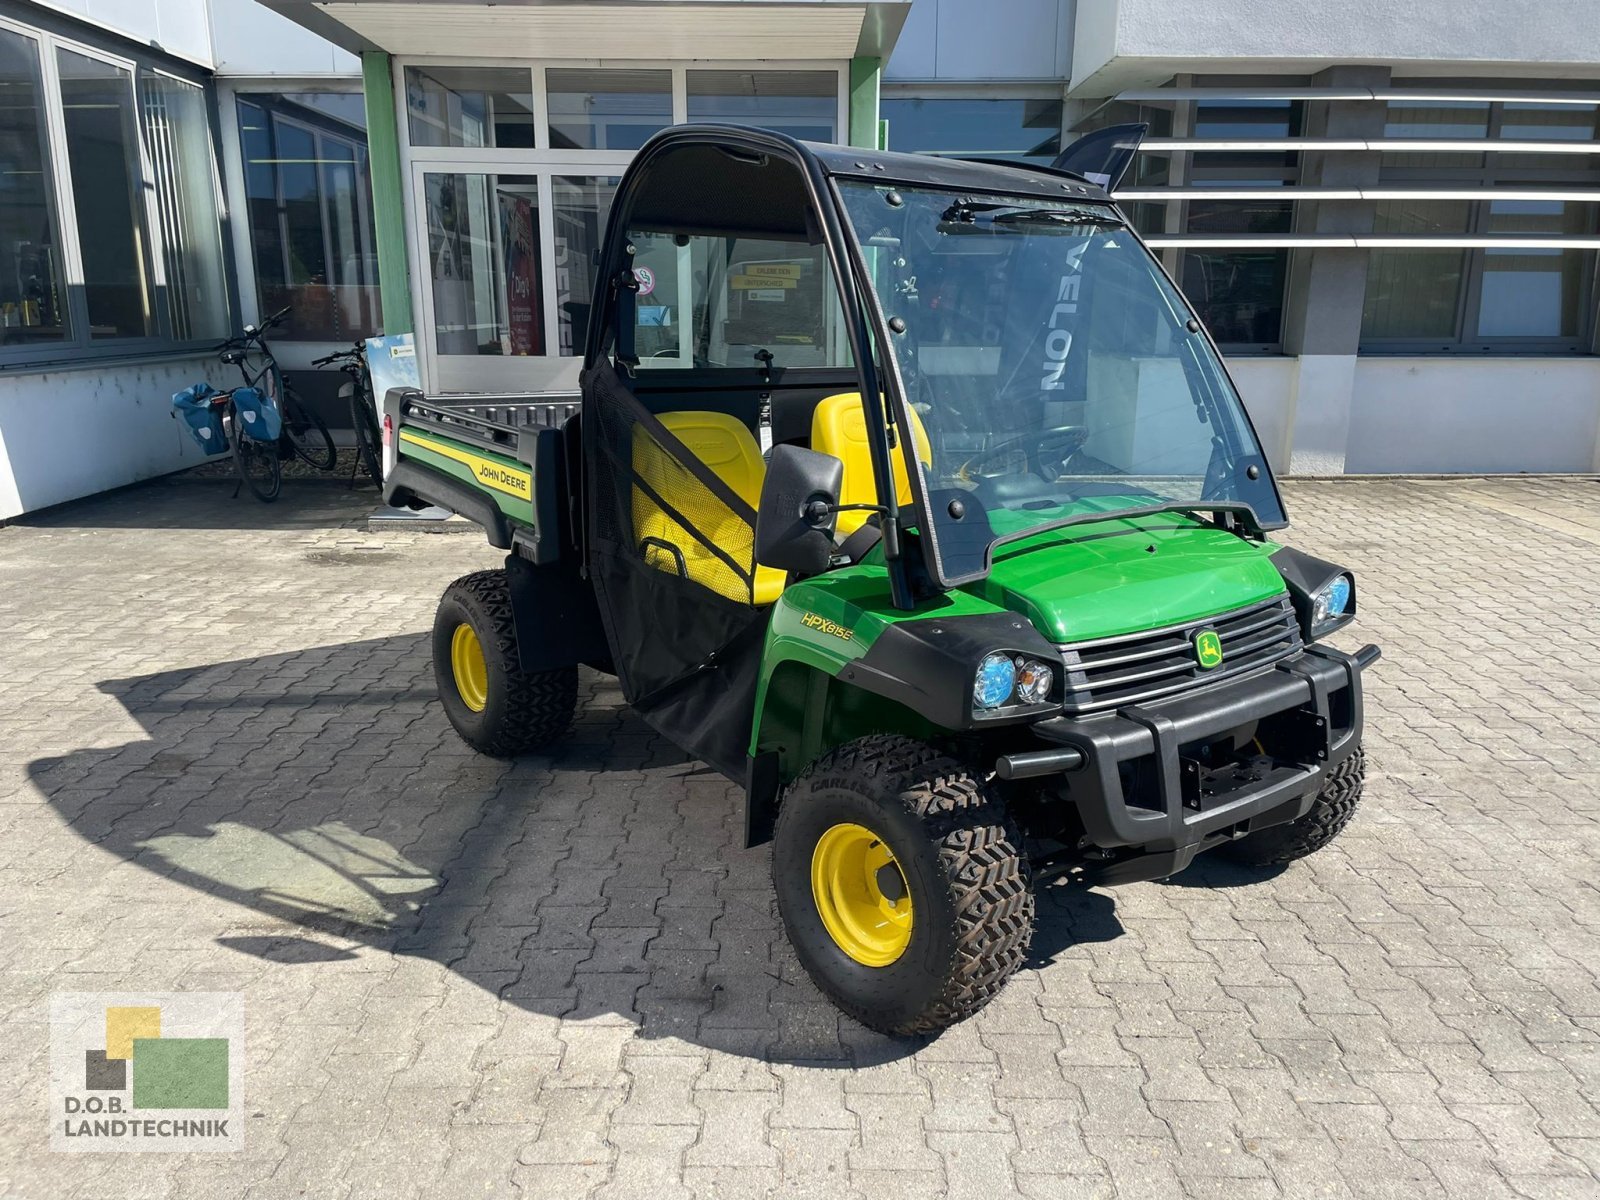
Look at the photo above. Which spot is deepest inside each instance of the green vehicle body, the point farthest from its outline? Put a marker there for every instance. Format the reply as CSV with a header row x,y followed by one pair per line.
x,y
1078,584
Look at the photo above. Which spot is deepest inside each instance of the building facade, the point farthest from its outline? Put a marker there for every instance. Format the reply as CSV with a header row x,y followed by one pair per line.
x,y
1389,219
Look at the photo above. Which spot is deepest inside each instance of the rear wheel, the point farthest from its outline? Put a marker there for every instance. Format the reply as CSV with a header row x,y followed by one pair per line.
x,y
1329,814
901,884
498,708
256,462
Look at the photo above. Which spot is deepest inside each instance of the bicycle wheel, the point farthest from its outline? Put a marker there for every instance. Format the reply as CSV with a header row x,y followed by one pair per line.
x,y
307,432
368,436
256,462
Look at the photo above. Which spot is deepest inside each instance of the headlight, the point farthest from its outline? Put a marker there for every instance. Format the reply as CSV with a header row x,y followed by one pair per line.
x,y
1033,681
1330,604
1011,680
995,681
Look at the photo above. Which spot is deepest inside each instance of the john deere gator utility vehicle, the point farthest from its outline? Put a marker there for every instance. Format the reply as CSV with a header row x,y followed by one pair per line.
x,y
911,495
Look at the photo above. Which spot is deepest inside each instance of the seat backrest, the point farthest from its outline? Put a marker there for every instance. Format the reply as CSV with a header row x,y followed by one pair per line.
x,y
724,444
839,428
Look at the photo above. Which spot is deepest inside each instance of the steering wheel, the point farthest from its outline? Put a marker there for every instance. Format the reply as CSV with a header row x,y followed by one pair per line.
x,y
1036,449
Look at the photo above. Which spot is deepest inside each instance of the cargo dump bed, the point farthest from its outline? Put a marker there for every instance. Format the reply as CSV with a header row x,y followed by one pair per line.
x,y
499,462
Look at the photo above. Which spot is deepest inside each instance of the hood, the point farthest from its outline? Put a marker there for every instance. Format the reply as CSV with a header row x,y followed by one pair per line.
x,y
1128,575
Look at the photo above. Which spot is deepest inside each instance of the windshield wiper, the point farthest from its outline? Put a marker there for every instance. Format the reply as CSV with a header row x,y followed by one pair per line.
x,y
966,213
1238,511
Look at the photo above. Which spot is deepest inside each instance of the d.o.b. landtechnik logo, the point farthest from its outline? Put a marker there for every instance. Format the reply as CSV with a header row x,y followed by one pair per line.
x,y
157,1071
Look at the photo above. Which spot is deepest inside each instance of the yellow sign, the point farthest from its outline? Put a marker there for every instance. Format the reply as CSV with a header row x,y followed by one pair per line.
x,y
513,481
750,283
773,270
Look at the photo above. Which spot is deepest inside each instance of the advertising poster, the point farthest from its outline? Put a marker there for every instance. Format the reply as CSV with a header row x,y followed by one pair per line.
x,y
523,335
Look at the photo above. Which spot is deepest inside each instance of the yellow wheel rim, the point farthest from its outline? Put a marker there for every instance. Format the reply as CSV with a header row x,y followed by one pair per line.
x,y
851,868
468,668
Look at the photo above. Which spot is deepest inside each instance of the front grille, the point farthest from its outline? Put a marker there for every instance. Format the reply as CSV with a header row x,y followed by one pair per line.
x,y
1135,668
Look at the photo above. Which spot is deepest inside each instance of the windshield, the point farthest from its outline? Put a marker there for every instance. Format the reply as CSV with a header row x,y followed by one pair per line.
x,y
1054,369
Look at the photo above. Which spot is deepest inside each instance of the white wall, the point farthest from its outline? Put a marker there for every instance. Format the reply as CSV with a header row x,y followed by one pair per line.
x,y
1267,387
1475,414
180,27
71,433
961,41
1548,37
250,39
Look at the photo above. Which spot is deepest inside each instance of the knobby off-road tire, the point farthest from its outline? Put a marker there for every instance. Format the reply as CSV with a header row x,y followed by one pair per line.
x,y
504,711
958,854
1330,812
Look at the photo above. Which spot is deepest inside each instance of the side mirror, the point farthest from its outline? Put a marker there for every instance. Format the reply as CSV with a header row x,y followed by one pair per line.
x,y
794,525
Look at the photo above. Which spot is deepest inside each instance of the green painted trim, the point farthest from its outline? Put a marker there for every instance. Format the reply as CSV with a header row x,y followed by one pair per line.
x,y
864,102
388,192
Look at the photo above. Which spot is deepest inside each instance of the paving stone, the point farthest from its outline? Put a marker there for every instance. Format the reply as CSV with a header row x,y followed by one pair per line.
x,y
565,977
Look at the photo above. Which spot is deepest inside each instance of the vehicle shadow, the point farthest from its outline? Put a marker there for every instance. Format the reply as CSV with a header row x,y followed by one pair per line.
x,y
323,792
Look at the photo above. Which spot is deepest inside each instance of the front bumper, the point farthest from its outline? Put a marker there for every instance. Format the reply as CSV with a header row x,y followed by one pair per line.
x,y
1139,779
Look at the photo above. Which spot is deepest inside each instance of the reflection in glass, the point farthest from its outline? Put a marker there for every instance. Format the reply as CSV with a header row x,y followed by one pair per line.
x,y
1534,293
31,298
581,205
607,110
470,106
803,104
1413,294
1238,293
483,263
310,211
103,153
178,138
1024,130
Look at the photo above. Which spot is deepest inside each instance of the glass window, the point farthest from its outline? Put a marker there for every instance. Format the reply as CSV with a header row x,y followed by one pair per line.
x,y
747,298
1413,294
803,104
607,110
32,305
1435,119
1238,293
483,264
1024,130
178,137
309,205
1534,293
581,206
470,106
103,153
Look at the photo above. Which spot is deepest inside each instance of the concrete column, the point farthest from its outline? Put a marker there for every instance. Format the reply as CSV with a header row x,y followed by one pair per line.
x,y
1327,287
388,193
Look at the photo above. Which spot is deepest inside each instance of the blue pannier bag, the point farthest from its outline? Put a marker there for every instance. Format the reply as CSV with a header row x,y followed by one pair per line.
x,y
258,415
202,420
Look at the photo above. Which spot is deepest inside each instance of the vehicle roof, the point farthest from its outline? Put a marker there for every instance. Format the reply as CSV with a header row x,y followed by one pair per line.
x,y
976,175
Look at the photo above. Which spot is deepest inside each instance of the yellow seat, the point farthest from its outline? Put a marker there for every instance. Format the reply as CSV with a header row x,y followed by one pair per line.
x,y
724,444
839,428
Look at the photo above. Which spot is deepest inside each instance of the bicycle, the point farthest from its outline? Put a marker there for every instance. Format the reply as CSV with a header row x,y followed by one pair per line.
x,y
305,431
363,416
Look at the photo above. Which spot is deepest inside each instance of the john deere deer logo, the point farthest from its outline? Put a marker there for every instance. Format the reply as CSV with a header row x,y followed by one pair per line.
x,y
1208,649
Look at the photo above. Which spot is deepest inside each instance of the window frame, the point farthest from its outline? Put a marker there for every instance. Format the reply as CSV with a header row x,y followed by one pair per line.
x,y
77,346
461,374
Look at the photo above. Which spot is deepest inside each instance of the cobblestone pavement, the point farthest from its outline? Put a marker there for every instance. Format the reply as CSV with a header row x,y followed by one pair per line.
x,y
222,767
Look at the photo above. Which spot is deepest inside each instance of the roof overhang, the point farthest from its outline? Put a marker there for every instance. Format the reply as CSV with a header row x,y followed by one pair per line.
x,y
609,29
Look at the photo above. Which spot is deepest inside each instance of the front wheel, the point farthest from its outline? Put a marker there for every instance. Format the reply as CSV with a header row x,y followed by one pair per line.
x,y
901,883
1330,812
498,708
369,437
